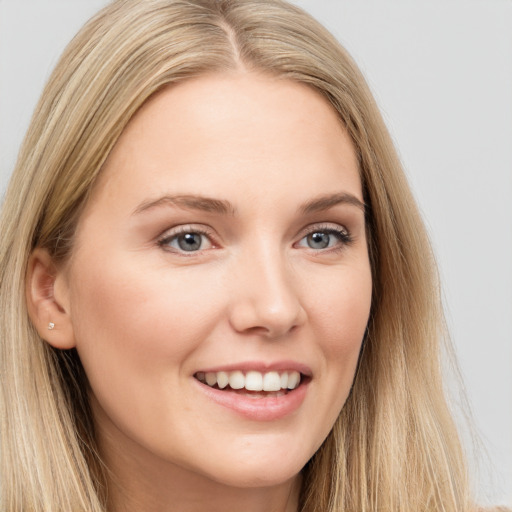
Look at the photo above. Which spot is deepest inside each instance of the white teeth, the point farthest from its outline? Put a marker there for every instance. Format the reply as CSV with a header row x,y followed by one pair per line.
x,y
272,381
293,380
236,380
252,380
222,379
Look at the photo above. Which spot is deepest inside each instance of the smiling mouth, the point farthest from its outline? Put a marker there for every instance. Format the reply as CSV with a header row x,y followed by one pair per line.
x,y
252,383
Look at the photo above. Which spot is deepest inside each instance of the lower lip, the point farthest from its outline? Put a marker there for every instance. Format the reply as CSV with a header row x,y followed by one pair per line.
x,y
258,409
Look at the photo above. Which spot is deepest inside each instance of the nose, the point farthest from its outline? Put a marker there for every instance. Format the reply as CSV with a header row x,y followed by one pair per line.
x,y
265,300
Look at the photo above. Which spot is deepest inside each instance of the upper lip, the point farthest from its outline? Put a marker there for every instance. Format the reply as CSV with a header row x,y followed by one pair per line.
x,y
260,366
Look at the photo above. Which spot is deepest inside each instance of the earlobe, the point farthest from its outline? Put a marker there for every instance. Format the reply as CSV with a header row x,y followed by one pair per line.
x,y
47,300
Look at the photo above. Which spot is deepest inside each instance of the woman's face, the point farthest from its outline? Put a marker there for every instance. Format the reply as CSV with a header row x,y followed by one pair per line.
x,y
223,247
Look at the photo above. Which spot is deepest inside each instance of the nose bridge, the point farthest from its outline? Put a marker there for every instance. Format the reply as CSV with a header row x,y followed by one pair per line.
x,y
267,298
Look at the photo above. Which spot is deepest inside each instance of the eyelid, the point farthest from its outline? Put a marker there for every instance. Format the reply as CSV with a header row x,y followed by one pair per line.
x,y
344,235
323,226
331,228
182,229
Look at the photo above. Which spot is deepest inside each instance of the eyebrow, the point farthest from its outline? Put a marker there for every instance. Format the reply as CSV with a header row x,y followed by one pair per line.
x,y
223,207
325,202
191,202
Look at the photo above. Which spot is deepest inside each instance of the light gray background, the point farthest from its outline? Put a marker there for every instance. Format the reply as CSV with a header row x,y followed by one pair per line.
x,y
442,74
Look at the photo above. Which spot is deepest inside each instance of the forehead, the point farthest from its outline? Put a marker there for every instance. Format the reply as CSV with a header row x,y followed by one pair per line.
x,y
215,131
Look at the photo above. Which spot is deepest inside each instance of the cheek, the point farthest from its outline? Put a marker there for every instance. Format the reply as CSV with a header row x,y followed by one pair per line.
x,y
128,324
343,308
341,318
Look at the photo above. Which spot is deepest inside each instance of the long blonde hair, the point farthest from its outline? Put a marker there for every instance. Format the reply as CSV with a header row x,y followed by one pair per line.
x,y
394,446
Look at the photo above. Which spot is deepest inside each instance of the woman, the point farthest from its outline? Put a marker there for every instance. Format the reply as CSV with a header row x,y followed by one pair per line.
x,y
228,296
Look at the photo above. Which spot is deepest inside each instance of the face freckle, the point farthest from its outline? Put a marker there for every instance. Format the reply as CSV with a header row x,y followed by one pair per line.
x,y
225,235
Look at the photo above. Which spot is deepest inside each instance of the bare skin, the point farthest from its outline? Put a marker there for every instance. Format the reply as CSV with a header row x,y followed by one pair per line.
x,y
225,233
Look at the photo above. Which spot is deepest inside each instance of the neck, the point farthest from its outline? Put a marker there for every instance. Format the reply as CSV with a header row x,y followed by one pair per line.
x,y
169,494
141,483
135,487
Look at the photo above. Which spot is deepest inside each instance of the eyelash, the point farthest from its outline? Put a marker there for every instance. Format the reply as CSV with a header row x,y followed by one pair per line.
x,y
167,238
342,234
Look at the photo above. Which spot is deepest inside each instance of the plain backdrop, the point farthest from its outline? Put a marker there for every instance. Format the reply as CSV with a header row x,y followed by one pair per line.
x,y
442,74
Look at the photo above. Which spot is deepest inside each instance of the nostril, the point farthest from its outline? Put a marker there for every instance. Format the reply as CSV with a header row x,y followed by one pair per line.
x,y
259,331
265,301
253,320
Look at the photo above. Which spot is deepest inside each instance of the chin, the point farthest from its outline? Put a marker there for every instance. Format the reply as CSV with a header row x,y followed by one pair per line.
x,y
255,476
258,480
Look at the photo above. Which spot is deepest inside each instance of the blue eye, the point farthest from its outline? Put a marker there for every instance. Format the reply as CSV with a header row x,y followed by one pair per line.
x,y
186,241
319,240
326,238
189,241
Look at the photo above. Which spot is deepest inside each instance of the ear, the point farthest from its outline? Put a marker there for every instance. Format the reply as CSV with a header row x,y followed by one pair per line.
x,y
47,295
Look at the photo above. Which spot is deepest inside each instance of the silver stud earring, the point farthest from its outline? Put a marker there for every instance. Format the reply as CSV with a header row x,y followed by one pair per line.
x,y
51,325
